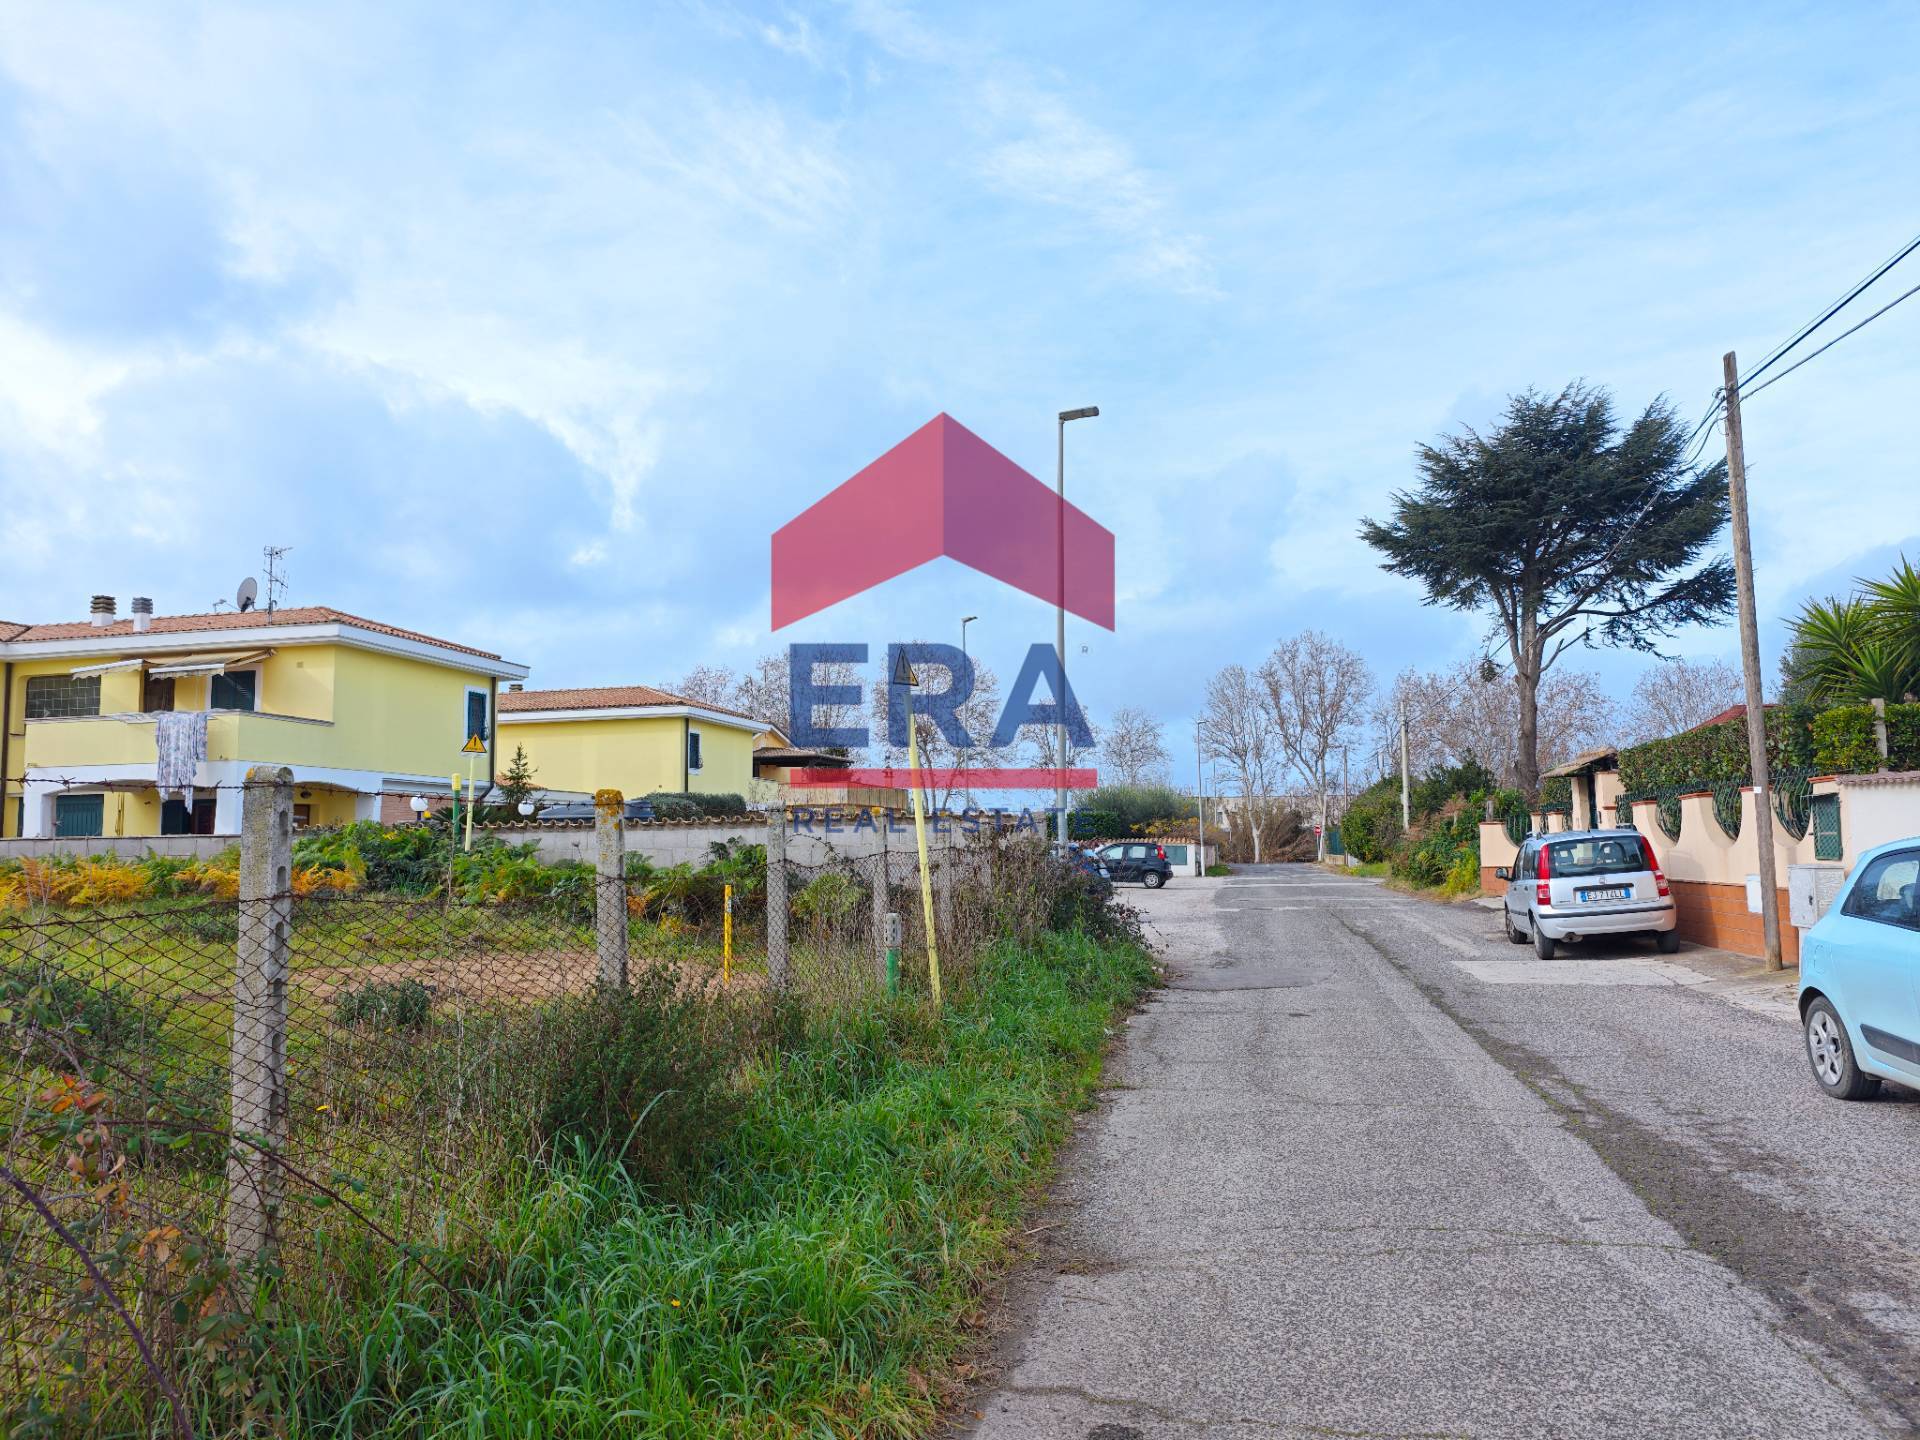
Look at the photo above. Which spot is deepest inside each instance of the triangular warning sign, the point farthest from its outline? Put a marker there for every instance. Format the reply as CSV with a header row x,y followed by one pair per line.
x,y
474,746
903,672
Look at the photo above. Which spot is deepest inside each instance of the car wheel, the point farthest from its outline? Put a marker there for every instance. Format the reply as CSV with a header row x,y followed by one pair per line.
x,y
1668,941
1515,935
1542,944
1830,1054
1153,879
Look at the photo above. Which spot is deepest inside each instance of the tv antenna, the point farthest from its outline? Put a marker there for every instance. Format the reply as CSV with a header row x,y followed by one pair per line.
x,y
276,578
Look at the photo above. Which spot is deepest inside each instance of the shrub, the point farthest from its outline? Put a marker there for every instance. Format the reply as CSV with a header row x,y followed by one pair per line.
x,y
1843,742
646,1076
1134,807
1717,752
695,804
384,1005
1095,825
1371,826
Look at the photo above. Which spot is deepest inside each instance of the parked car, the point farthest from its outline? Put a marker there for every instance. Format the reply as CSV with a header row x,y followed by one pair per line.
x,y
1577,884
1135,860
1860,978
583,810
1087,863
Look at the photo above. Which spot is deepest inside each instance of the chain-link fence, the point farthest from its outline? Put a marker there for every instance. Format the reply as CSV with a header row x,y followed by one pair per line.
x,y
219,1106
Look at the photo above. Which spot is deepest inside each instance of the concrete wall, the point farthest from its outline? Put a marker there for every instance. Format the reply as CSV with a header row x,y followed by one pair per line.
x,y
128,847
1877,809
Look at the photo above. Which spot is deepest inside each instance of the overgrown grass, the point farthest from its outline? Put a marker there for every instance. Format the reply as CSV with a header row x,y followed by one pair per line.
x,y
812,1285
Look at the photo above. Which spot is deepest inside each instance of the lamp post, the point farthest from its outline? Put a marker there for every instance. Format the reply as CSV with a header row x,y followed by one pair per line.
x,y
965,620
1085,412
525,807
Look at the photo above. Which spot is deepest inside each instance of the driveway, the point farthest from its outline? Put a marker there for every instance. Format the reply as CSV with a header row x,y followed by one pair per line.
x,y
1365,1169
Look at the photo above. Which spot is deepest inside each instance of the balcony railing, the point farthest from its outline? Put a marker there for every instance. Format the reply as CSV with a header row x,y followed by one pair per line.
x,y
128,739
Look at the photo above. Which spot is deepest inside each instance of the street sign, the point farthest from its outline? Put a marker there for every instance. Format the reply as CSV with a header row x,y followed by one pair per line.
x,y
474,746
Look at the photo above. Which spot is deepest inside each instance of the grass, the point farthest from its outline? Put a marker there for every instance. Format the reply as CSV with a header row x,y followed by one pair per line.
x,y
816,1282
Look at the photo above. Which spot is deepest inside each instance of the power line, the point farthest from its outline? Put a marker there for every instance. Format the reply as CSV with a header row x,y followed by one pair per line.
x,y
1746,393
1779,351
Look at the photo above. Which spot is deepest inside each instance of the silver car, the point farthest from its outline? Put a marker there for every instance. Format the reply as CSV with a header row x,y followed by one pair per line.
x,y
1578,883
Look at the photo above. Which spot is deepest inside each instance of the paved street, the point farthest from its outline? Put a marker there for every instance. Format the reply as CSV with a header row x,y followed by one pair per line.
x,y
1365,1169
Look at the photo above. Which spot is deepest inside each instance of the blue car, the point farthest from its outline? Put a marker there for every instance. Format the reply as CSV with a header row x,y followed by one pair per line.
x,y
1860,978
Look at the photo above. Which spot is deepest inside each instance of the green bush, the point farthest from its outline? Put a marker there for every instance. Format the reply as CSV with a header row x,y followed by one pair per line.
x,y
645,1075
1371,826
385,1005
1717,752
1134,807
1843,742
1096,825
1556,793
695,804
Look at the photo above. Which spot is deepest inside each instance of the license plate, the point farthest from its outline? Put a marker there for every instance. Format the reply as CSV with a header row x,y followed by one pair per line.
x,y
1611,892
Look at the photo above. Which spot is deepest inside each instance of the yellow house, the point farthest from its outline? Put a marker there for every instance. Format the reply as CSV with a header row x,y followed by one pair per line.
x,y
632,738
365,714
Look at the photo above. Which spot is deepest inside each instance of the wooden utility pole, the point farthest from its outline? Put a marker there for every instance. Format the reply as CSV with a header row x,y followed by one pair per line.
x,y
1406,785
1750,662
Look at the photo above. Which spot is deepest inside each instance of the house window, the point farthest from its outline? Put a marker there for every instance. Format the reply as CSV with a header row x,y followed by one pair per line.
x,y
177,819
79,814
234,690
476,715
693,750
60,697
302,816
156,695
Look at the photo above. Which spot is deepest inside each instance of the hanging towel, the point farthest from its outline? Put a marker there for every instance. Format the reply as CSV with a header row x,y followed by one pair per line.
x,y
180,744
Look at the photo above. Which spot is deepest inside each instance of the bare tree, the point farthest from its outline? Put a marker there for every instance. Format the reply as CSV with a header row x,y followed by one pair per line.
x,y
1315,690
1036,742
1457,714
977,713
1677,695
709,684
1134,752
1237,729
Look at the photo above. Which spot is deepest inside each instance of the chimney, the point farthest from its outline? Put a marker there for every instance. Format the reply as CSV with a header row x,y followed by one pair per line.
x,y
515,685
102,611
142,613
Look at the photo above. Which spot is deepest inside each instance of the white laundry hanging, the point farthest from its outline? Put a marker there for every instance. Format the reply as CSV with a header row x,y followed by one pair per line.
x,y
180,744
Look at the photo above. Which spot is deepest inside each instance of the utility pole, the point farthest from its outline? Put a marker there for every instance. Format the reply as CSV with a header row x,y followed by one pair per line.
x,y
1750,661
1085,412
1200,799
1406,784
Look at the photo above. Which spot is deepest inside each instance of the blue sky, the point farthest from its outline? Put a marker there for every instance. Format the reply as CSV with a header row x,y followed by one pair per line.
x,y
527,325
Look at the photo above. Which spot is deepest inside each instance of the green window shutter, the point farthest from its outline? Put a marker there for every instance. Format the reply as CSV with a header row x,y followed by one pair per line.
x,y
79,814
1826,827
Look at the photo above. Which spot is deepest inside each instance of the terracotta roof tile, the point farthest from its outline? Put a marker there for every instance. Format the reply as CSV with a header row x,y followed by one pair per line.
x,y
607,697
230,620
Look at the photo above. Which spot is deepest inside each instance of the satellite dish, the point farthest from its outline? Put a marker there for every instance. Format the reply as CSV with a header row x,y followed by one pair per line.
x,y
248,592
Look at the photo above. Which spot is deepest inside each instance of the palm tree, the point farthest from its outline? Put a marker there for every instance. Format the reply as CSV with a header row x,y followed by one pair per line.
x,y
1865,647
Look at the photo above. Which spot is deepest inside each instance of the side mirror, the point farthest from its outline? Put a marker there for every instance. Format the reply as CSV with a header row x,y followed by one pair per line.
x,y
1501,872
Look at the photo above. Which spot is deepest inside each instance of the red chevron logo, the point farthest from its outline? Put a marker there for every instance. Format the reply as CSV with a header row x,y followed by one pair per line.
x,y
942,491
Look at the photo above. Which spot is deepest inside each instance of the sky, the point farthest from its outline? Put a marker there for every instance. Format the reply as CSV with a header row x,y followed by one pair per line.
x,y
526,325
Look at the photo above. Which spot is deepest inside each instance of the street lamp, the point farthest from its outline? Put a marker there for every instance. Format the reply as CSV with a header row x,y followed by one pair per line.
x,y
965,620
1085,412
525,807
418,804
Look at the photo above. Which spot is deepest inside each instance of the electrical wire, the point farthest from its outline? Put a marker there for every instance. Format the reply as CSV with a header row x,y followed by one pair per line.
x,y
1779,351
1744,392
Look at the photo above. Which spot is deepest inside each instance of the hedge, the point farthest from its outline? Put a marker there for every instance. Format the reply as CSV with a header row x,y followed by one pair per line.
x,y
1718,752
1843,741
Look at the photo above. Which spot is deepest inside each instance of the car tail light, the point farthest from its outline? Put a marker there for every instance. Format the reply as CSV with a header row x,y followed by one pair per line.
x,y
1659,876
1543,892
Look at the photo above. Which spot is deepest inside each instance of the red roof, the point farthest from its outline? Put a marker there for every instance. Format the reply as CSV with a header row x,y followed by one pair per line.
x,y
229,620
1732,712
609,697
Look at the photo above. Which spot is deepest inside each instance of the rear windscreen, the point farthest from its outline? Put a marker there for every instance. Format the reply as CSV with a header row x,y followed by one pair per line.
x,y
1577,858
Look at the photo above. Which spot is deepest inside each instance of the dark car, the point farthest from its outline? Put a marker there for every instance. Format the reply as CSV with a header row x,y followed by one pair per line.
x,y
583,810
1140,860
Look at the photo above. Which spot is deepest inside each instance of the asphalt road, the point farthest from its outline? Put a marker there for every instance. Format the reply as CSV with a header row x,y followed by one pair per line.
x,y
1365,1169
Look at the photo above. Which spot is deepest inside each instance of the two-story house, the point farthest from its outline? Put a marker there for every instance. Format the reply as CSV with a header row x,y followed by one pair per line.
x,y
365,714
634,738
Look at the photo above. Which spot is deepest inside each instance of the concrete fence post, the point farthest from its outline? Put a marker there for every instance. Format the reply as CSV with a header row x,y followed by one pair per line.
x,y
943,879
257,1059
610,888
777,897
1880,730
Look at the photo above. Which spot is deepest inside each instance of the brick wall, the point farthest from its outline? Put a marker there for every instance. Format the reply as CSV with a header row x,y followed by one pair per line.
x,y
1711,914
